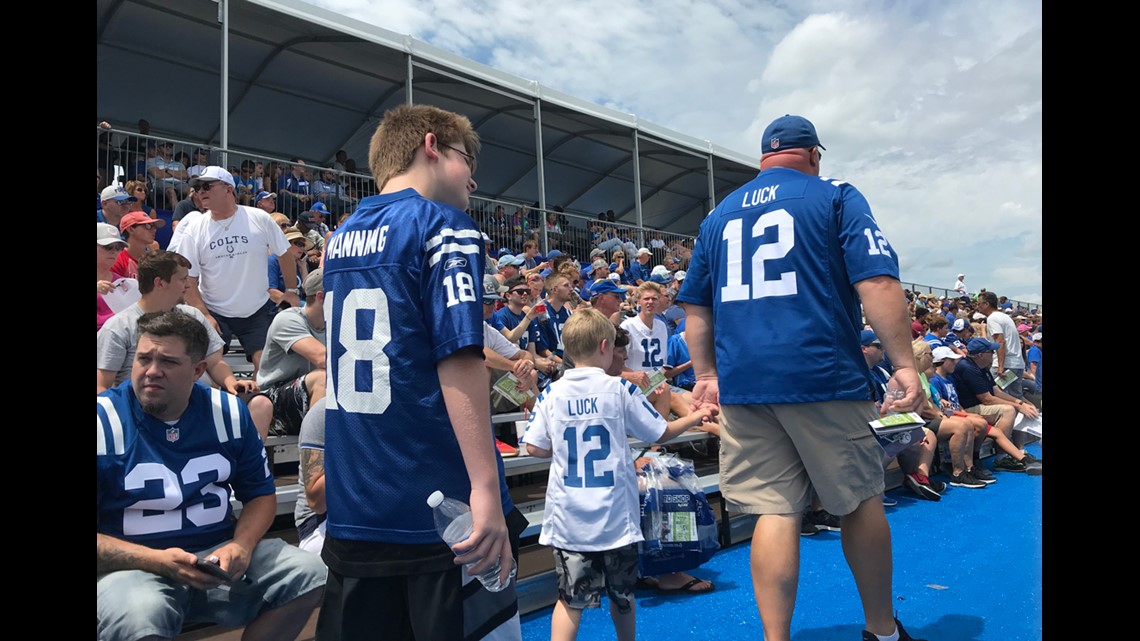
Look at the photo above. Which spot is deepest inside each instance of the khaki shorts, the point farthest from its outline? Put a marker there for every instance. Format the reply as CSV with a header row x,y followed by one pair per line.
x,y
991,412
771,456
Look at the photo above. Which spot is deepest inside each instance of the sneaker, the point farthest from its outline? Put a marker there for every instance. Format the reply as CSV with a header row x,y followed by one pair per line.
x,y
505,450
939,486
903,636
889,502
920,485
1032,464
982,474
1008,464
966,479
823,520
806,527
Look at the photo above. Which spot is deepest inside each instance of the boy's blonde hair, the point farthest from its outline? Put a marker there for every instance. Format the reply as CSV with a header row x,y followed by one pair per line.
x,y
402,131
650,286
584,331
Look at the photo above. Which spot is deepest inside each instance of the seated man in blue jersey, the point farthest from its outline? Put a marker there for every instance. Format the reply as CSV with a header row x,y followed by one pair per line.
x,y
961,331
292,372
917,458
171,454
558,289
516,323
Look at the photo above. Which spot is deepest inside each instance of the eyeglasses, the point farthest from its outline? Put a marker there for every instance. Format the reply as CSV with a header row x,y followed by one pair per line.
x,y
298,243
520,291
206,185
466,156
146,226
819,154
283,225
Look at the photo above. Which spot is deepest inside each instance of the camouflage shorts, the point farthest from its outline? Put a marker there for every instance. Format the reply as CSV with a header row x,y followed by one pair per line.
x,y
583,575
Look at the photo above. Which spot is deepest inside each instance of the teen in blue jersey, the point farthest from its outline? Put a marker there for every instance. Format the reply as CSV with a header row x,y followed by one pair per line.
x,y
772,297
407,403
171,454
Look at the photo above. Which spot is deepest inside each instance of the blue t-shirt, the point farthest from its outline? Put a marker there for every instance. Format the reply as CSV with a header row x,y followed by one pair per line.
x,y
166,486
946,389
971,380
276,278
635,271
934,340
505,318
1033,355
403,291
777,261
678,354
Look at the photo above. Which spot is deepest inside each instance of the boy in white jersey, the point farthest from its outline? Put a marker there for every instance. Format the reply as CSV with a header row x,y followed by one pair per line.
x,y
592,515
649,345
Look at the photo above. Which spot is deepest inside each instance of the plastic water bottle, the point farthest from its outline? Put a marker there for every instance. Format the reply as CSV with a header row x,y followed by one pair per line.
x,y
453,522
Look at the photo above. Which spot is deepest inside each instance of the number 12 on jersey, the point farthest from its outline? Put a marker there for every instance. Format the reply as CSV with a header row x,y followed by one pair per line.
x,y
587,477
735,288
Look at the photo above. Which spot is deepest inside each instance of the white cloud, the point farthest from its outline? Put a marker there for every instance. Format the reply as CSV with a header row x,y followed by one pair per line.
x,y
933,110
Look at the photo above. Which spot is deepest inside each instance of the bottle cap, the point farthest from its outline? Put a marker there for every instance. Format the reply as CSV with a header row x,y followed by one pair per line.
x,y
435,499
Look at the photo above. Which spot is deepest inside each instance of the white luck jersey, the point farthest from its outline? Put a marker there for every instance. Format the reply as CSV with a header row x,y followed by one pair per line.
x,y
647,347
585,419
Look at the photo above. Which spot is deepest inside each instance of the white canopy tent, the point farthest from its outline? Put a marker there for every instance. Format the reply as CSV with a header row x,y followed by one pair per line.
x,y
303,81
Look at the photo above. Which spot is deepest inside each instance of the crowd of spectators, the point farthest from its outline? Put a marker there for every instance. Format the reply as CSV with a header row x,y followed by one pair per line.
x,y
261,282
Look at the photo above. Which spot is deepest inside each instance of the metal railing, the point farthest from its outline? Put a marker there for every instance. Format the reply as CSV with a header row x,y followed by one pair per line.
x,y
123,156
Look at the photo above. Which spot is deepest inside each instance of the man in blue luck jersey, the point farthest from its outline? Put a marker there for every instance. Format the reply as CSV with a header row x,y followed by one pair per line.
x,y
171,455
772,297
407,404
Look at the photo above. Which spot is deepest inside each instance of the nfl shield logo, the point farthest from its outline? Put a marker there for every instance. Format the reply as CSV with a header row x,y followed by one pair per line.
x,y
172,434
775,143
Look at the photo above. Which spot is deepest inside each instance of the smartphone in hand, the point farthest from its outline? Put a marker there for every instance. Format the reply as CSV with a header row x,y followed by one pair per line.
x,y
213,569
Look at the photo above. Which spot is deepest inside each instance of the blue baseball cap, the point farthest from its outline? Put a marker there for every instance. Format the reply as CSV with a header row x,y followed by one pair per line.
x,y
320,208
868,338
262,195
554,253
510,260
789,132
660,280
981,346
606,286
504,250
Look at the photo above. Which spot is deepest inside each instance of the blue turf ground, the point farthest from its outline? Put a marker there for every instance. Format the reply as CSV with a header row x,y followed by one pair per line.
x,y
967,568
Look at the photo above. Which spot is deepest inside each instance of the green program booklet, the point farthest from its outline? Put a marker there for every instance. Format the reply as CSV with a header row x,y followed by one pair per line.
x,y
896,432
656,378
508,387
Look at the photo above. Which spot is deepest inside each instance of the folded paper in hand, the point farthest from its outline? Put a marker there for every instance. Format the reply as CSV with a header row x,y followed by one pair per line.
x,y
896,432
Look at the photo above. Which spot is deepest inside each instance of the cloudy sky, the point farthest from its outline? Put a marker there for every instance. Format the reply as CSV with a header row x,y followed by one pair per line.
x,y
931,109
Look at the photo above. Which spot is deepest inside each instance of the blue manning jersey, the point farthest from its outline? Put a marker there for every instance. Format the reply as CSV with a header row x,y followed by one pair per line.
x,y
777,261
403,290
166,486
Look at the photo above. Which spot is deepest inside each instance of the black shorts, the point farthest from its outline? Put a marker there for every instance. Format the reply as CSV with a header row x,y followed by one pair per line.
x,y
290,403
427,606
250,330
